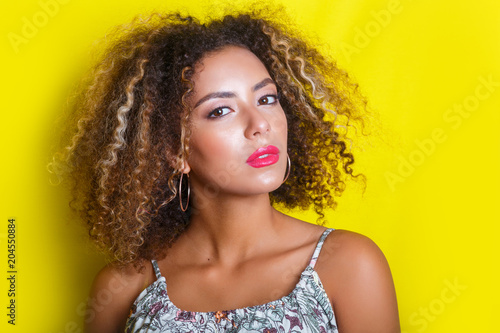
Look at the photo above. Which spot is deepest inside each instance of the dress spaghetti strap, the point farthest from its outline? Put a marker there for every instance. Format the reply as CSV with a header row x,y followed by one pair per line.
x,y
156,269
317,251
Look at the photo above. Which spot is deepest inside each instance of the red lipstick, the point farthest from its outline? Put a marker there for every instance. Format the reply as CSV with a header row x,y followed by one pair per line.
x,y
263,157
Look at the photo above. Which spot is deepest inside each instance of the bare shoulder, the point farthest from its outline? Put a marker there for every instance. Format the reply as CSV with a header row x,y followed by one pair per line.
x,y
343,246
358,281
347,255
112,294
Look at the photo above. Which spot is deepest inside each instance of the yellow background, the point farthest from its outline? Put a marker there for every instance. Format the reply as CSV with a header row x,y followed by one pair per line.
x,y
431,207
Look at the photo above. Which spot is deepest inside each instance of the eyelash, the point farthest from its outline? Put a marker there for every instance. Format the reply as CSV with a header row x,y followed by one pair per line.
x,y
212,113
220,108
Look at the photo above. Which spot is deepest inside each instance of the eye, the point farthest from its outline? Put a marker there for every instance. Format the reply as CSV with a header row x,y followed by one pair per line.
x,y
268,99
219,112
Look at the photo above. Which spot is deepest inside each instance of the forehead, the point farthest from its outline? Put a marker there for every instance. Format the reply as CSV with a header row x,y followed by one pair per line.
x,y
228,67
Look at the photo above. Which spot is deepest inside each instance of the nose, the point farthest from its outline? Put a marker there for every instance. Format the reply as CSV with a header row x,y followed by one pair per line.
x,y
257,123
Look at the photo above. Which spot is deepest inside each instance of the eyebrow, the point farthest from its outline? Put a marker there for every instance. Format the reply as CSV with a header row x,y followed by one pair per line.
x,y
262,84
229,94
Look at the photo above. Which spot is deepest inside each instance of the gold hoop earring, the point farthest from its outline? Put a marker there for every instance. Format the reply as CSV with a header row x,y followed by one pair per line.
x,y
288,169
180,192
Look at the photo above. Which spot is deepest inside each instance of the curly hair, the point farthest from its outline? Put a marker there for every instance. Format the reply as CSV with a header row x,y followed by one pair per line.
x,y
130,131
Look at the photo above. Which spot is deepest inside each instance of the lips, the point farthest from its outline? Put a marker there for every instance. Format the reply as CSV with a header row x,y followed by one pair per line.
x,y
263,157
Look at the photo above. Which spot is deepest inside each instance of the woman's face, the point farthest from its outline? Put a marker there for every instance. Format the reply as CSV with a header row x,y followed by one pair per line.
x,y
238,142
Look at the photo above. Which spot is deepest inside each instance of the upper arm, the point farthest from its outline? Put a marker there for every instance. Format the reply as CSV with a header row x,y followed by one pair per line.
x,y
357,278
111,296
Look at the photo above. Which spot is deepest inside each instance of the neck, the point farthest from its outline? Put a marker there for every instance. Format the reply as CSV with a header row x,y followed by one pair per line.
x,y
232,229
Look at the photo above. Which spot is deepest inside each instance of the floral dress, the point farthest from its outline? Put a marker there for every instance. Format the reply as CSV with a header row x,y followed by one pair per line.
x,y
306,309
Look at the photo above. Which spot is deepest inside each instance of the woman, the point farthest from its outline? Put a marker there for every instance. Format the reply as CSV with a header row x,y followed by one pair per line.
x,y
186,135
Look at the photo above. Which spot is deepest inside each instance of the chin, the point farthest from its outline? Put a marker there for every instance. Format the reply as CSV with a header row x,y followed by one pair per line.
x,y
266,187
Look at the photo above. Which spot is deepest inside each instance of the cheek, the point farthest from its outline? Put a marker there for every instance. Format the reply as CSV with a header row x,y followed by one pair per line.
x,y
279,124
213,149
215,159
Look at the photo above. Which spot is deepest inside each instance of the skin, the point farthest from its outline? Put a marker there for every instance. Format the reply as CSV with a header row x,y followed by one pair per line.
x,y
246,252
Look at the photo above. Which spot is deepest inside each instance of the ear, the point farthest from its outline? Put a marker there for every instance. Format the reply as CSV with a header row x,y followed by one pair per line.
x,y
187,168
